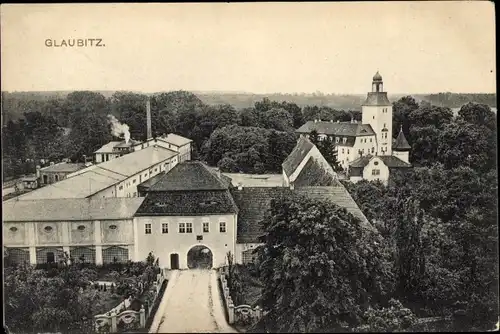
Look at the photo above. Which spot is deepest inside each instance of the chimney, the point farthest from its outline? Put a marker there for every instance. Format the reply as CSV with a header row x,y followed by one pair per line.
x,y
148,116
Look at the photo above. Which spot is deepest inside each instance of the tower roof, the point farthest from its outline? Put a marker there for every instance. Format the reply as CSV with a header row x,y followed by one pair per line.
x,y
401,143
377,77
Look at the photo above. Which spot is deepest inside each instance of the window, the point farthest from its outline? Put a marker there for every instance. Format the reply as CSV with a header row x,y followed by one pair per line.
x,y
150,171
371,140
344,140
375,163
373,117
182,228
48,228
135,193
133,181
373,149
13,229
147,228
375,171
81,228
156,169
347,151
112,227
206,227
384,125
342,151
164,228
222,227
336,139
121,187
189,227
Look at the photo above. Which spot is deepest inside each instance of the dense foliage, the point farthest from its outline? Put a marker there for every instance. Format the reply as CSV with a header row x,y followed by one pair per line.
x,y
320,267
62,297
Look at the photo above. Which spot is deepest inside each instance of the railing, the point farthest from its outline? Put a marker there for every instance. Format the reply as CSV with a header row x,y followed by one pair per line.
x,y
110,321
242,314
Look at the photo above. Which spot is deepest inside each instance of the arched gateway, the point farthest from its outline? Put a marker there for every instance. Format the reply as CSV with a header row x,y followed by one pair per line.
x,y
200,257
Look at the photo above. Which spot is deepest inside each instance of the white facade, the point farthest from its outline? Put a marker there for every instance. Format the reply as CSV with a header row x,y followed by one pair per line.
x,y
163,236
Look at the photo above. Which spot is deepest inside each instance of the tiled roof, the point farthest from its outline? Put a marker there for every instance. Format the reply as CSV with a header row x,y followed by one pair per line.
x,y
253,204
176,140
297,155
377,99
389,160
191,175
150,182
63,167
394,162
337,129
188,203
108,148
314,175
68,209
401,143
255,180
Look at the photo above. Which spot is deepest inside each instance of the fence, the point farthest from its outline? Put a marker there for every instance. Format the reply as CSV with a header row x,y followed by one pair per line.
x,y
130,319
241,314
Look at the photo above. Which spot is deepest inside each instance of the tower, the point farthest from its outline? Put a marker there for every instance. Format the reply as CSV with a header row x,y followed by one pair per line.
x,y
149,134
377,111
401,147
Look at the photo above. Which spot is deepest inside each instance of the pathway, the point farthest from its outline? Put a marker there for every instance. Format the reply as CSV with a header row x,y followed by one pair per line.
x,y
191,304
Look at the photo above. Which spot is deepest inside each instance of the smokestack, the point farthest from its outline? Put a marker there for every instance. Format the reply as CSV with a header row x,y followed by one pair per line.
x,y
148,115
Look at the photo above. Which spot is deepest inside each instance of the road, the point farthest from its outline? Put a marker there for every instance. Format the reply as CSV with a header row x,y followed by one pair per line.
x,y
191,304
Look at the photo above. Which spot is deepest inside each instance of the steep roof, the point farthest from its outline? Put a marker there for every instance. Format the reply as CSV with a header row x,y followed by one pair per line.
x,y
337,129
189,176
401,143
377,99
63,167
313,174
69,209
188,203
254,203
297,155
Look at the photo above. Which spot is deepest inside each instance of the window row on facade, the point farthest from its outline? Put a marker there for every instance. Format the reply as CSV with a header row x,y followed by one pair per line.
x,y
184,228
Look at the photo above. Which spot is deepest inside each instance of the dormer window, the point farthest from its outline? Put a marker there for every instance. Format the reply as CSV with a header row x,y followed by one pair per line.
x,y
48,229
13,229
344,140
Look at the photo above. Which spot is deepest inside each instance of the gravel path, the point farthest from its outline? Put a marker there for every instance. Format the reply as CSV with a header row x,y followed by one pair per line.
x,y
193,304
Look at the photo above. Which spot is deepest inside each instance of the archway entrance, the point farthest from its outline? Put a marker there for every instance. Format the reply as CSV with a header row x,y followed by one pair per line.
x,y
200,257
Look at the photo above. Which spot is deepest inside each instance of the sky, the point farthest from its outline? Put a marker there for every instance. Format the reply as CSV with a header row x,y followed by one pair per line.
x,y
331,47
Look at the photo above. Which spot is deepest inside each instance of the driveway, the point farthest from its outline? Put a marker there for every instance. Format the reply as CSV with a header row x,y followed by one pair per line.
x,y
191,304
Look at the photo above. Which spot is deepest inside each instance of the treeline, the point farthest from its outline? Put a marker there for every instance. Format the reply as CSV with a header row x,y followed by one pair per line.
x,y
15,103
75,126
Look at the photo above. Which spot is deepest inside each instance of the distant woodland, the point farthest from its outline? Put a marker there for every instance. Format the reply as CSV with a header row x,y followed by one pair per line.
x,y
237,132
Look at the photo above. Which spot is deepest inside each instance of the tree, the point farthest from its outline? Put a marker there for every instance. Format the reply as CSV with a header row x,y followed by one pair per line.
x,y
314,137
395,318
130,108
327,149
430,116
478,114
401,110
318,274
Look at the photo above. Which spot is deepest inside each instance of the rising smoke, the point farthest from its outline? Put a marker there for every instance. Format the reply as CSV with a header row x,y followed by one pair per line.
x,y
118,129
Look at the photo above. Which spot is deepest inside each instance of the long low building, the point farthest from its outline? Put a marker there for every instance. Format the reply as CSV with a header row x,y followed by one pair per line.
x,y
115,178
97,230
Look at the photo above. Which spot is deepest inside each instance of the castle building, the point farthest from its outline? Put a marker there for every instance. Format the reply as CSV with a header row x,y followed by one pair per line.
x,y
365,150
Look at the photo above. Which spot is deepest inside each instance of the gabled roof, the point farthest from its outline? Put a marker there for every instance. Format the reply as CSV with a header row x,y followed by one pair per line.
x,y
190,176
63,167
188,203
377,99
401,143
389,160
297,155
254,203
70,209
313,174
337,129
